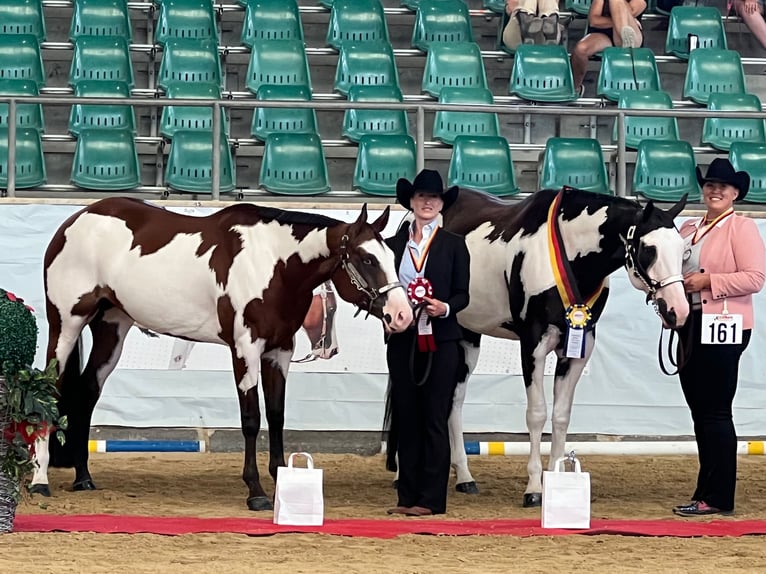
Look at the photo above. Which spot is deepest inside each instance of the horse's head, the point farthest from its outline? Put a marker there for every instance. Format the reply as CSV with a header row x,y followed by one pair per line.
x,y
367,275
653,257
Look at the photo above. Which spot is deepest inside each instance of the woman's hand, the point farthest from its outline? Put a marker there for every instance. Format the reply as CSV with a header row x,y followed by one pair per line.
x,y
435,308
694,282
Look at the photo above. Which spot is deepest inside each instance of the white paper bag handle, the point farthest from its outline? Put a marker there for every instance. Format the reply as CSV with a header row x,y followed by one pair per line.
x,y
563,459
309,460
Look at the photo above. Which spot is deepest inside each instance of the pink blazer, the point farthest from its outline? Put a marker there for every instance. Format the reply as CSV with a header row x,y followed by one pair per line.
x,y
734,256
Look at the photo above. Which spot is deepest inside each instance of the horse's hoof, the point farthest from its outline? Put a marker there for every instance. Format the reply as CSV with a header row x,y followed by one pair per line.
x,y
395,484
259,503
41,489
467,487
532,499
86,484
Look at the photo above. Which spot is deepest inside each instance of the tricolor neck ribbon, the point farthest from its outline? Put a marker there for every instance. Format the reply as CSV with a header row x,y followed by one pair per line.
x,y
705,229
562,271
421,261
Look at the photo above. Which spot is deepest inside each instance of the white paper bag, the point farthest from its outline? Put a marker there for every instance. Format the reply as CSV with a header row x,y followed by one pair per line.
x,y
299,500
566,497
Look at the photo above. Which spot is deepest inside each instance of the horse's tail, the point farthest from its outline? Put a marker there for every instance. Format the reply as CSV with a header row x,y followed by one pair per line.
x,y
390,432
62,455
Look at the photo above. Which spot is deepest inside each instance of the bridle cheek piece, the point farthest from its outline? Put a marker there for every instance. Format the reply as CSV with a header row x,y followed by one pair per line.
x,y
360,282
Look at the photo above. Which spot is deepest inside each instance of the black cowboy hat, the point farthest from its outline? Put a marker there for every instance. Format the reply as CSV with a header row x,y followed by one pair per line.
x,y
429,181
721,171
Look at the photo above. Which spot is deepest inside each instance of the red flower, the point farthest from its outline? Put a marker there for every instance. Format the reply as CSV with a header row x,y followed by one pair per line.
x,y
29,308
11,296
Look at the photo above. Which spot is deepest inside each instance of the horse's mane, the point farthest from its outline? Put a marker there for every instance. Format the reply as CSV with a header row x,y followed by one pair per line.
x,y
284,216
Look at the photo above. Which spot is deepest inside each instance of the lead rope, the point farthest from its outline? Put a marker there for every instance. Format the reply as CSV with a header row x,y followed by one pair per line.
x,y
683,348
429,362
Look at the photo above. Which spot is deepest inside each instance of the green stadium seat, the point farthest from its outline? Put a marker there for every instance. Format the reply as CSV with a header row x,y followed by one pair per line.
x,y
410,4
100,18
626,69
106,160
96,116
190,163
665,171
542,74
191,118
450,124
576,162
751,157
294,164
30,164
381,161
496,6
441,21
356,21
267,121
271,20
101,58
702,21
23,17
484,163
365,64
639,128
713,71
20,58
454,65
186,19
578,7
190,61
27,115
722,132
357,122
278,62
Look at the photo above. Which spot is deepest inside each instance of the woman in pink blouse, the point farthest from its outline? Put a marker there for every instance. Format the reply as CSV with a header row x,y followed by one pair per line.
x,y
724,264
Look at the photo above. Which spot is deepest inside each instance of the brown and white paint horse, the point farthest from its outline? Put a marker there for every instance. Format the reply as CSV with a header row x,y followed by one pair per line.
x,y
242,277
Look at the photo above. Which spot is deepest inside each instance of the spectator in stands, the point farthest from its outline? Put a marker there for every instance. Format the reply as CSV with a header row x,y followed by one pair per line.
x,y
532,22
751,12
610,23
724,265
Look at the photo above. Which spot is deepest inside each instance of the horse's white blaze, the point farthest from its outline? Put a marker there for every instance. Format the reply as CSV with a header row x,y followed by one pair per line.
x,y
396,306
669,247
251,351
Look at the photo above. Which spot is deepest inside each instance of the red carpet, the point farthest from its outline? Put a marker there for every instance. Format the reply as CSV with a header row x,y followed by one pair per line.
x,y
383,528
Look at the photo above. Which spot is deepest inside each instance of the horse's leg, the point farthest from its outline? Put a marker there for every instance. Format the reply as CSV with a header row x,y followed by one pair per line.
x,y
568,373
533,353
246,370
109,332
274,367
465,483
62,340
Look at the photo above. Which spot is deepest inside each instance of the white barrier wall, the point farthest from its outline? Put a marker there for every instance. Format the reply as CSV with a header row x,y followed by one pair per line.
x,y
621,392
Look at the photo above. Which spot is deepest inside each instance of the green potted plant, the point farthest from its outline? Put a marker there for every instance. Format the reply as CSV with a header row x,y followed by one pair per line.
x,y
27,402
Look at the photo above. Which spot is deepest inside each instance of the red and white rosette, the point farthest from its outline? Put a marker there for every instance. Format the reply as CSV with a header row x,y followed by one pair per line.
x,y
418,289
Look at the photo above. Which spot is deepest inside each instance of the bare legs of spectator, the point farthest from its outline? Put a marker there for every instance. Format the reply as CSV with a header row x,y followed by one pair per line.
x,y
626,31
752,15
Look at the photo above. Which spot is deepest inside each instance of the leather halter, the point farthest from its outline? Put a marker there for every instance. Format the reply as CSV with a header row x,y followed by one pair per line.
x,y
632,263
356,278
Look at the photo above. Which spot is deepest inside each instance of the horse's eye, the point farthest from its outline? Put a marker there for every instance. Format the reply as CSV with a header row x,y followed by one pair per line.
x,y
367,261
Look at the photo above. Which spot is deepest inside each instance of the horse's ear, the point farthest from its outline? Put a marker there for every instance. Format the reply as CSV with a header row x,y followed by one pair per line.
x,y
362,215
380,223
648,209
678,207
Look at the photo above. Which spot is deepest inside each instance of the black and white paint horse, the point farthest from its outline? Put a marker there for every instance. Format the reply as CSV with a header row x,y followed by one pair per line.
x,y
521,253
242,277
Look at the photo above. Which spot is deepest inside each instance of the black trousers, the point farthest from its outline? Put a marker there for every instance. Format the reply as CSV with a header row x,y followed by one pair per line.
x,y
421,414
709,382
